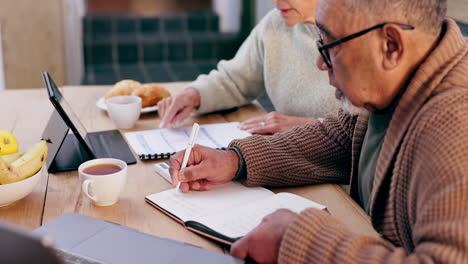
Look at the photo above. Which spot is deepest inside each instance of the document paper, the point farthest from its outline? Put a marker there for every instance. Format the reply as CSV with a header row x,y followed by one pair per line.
x,y
170,140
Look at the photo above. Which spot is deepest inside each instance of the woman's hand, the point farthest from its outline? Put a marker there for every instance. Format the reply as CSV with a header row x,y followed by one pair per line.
x,y
273,122
175,109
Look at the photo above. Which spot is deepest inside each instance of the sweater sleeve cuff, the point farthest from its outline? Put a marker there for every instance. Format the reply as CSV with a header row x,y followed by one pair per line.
x,y
310,236
204,88
242,171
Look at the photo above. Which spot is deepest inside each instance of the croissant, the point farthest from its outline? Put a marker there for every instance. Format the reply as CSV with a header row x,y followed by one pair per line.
x,y
124,87
151,94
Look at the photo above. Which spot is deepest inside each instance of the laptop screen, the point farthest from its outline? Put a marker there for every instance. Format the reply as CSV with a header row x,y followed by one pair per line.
x,y
74,122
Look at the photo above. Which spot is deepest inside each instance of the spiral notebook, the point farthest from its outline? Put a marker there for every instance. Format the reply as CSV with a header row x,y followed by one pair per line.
x,y
162,143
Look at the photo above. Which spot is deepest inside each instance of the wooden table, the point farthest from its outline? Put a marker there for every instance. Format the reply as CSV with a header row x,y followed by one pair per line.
x,y
26,112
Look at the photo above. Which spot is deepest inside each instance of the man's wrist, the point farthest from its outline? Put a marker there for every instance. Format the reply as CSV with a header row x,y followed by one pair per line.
x,y
242,167
194,95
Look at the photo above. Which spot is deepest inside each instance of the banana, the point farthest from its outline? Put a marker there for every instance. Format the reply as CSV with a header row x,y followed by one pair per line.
x,y
8,174
11,157
26,166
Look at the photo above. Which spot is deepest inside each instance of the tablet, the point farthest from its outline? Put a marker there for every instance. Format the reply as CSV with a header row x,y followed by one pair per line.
x,y
68,150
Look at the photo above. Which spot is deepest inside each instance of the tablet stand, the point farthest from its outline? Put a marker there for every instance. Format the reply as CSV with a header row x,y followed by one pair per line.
x,y
65,151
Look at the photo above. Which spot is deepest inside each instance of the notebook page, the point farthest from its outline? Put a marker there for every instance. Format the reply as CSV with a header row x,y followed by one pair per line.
x,y
194,204
169,140
241,220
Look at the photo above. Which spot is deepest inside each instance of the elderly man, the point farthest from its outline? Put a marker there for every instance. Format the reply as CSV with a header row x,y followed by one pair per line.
x,y
403,68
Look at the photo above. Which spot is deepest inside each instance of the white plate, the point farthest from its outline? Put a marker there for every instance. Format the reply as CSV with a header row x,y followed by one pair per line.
x,y
101,103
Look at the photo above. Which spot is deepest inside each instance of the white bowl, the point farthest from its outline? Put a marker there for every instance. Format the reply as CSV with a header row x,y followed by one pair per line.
x,y
13,192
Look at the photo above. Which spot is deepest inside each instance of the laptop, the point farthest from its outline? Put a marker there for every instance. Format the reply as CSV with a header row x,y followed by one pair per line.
x,y
68,150
81,239
18,246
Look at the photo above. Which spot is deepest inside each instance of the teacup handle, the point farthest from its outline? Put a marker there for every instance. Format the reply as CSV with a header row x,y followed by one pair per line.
x,y
85,187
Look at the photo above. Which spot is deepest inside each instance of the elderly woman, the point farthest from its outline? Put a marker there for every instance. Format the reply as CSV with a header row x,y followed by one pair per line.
x,y
278,57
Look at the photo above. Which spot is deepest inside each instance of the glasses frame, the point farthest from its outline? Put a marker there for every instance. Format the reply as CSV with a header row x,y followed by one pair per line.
x,y
323,48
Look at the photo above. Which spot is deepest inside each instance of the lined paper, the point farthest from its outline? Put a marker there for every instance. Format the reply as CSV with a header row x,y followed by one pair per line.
x,y
169,140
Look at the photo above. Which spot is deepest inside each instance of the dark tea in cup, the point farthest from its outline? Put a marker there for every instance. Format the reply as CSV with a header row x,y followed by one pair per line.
x,y
102,169
103,180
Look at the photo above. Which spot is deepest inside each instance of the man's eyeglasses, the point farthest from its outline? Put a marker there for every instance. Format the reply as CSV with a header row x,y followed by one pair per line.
x,y
323,49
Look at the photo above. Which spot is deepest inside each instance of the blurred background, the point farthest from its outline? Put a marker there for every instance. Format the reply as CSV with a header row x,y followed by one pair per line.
x,y
103,41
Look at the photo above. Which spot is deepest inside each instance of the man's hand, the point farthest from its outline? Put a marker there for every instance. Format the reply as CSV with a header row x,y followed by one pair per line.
x,y
175,109
273,122
263,243
206,167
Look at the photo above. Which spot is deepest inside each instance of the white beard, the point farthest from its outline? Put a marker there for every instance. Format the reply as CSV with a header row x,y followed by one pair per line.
x,y
349,108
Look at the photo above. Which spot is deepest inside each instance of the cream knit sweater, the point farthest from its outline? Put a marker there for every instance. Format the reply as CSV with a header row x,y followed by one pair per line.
x,y
275,58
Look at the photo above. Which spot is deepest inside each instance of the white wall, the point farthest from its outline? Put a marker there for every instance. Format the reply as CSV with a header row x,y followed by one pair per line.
x,y
262,8
74,11
229,12
2,73
458,9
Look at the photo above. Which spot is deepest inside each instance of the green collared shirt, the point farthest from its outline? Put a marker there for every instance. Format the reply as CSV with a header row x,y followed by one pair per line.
x,y
371,146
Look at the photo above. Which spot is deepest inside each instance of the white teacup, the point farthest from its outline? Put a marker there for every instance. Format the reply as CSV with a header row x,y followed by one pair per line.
x,y
102,180
124,110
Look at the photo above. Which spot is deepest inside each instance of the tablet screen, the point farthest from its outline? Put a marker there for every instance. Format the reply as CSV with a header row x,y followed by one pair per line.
x,y
63,107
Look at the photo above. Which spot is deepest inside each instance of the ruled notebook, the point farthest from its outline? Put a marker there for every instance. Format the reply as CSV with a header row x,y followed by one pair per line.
x,y
226,212
162,143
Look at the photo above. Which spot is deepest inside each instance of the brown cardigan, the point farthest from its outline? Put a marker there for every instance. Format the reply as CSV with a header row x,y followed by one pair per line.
x,y
419,201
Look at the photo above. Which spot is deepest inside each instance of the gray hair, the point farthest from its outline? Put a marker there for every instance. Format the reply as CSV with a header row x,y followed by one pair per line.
x,y
426,15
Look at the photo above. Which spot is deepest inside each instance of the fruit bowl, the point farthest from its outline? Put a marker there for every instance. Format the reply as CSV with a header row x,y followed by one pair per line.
x,y
13,192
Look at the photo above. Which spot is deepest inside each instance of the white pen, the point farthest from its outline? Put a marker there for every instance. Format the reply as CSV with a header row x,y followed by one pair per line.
x,y
188,150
